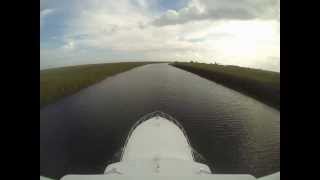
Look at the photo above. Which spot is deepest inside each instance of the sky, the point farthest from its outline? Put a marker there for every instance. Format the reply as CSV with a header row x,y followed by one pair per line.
x,y
237,32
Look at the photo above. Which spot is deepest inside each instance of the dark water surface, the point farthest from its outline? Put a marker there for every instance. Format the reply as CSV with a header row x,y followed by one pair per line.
x,y
82,132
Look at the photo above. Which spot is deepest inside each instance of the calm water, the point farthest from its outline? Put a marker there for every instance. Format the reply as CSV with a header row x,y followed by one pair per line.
x,y
236,133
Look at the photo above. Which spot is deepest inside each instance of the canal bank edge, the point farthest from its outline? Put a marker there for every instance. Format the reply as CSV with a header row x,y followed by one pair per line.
x,y
261,85
57,83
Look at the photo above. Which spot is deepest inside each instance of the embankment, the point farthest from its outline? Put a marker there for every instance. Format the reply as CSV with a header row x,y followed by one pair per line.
x,y
259,84
60,82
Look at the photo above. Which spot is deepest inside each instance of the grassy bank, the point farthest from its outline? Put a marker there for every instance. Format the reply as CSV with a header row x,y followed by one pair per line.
x,y
259,84
59,82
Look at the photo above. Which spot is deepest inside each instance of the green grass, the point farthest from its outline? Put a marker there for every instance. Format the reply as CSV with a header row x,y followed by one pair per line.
x,y
60,82
259,84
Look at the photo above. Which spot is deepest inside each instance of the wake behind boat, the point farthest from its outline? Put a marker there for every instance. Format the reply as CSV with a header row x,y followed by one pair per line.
x,y
158,147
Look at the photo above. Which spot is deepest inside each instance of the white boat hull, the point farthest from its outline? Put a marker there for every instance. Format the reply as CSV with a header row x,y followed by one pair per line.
x,y
158,148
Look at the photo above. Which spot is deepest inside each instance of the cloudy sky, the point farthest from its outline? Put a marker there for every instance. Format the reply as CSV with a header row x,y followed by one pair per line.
x,y
239,32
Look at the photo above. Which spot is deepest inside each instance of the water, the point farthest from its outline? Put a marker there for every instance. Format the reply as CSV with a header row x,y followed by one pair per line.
x,y
235,133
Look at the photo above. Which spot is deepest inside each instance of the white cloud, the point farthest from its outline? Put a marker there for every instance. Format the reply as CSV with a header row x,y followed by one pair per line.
x,y
124,29
220,10
69,45
43,14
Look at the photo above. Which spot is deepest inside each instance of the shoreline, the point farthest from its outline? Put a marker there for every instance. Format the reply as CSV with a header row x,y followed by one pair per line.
x,y
261,85
57,83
